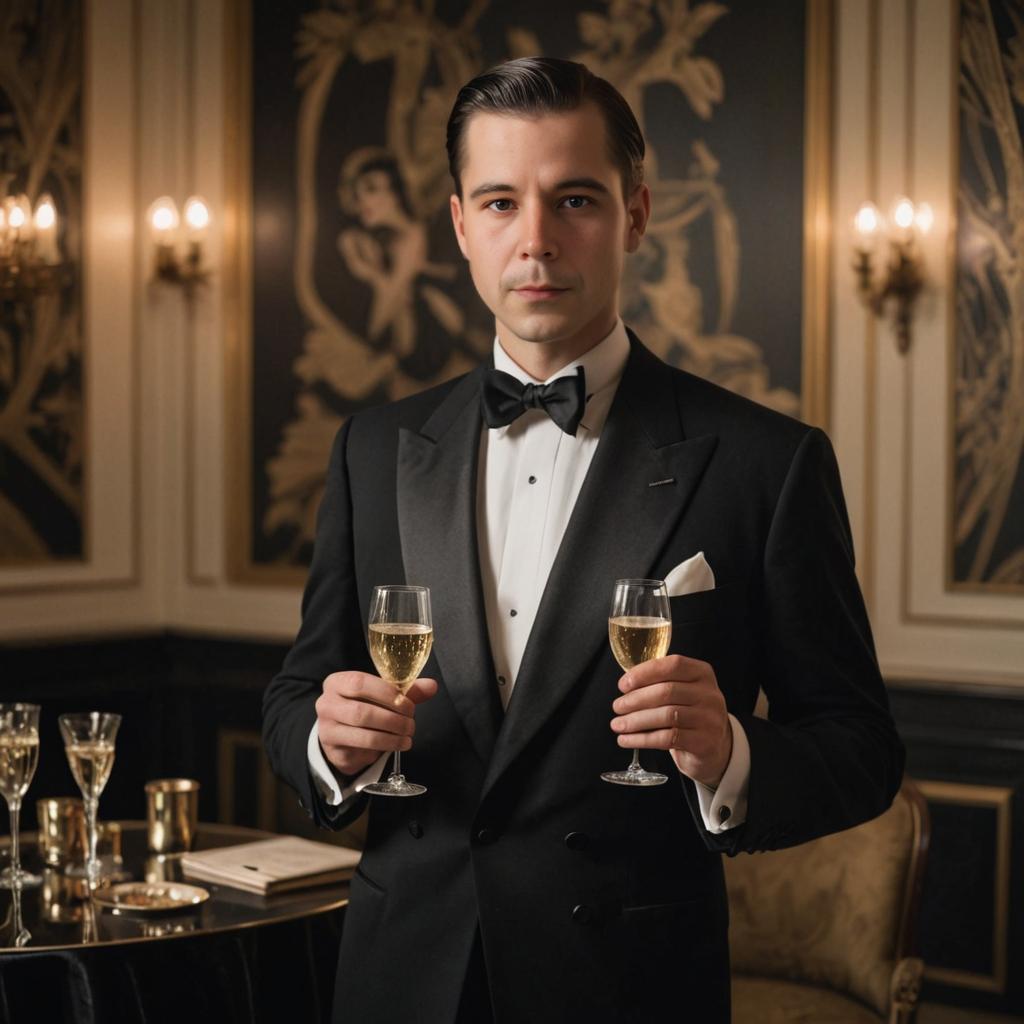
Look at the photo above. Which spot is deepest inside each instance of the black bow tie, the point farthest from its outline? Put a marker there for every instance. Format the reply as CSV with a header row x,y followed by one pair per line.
x,y
504,399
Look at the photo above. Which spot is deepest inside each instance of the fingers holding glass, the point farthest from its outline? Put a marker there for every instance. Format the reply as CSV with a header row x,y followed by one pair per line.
x,y
400,638
639,630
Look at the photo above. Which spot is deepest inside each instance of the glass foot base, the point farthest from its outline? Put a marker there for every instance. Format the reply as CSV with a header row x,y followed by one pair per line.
x,y
25,879
395,786
635,777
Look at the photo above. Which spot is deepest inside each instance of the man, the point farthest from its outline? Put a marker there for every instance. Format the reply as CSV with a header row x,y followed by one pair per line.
x,y
521,885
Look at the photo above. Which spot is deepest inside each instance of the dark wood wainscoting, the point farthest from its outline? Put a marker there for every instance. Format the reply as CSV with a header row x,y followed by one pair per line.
x,y
965,747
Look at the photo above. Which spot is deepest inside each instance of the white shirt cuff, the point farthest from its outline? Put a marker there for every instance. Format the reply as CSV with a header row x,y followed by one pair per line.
x,y
332,791
725,807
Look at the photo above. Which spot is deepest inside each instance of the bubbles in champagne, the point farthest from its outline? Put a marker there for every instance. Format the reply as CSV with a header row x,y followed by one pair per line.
x,y
19,755
638,638
400,650
91,764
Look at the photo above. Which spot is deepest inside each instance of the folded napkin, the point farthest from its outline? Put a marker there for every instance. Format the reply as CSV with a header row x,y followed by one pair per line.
x,y
690,577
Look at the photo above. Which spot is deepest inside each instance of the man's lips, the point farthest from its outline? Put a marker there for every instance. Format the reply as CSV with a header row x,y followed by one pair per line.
x,y
539,291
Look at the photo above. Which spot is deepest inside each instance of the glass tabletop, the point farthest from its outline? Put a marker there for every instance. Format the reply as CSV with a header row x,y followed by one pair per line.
x,y
58,916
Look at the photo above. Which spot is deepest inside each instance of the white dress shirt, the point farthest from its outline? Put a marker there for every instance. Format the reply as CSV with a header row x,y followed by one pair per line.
x,y
530,475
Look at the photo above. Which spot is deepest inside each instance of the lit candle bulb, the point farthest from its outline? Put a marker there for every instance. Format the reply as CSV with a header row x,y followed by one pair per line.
x,y
903,216
867,222
19,217
163,220
45,219
197,218
924,218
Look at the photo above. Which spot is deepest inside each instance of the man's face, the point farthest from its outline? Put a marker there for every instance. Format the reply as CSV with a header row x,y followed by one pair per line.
x,y
544,225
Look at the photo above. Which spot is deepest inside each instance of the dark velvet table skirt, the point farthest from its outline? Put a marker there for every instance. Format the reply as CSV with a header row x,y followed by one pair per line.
x,y
274,973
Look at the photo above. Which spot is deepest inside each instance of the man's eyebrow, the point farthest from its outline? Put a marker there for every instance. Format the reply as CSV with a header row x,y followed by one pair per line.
x,y
488,187
590,184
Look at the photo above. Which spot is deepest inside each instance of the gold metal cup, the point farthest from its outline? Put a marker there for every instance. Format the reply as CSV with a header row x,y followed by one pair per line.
x,y
61,830
172,814
108,841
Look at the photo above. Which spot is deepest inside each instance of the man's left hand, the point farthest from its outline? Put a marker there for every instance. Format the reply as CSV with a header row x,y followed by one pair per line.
x,y
674,704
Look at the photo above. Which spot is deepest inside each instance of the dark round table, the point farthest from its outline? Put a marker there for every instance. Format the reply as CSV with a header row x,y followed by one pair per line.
x,y
238,957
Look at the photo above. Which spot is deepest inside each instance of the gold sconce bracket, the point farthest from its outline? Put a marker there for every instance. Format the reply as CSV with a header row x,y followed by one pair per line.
x,y
901,286
903,279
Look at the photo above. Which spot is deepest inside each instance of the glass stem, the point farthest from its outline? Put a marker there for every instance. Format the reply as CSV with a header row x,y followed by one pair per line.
x,y
396,766
634,765
14,806
92,868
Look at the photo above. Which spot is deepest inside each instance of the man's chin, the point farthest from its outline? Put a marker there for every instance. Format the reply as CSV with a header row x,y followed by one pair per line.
x,y
540,330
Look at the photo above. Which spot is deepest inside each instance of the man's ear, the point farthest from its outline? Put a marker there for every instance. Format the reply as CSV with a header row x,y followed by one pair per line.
x,y
460,234
638,213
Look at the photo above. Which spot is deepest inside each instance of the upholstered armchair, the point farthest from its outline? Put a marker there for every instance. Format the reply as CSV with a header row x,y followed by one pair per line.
x,y
823,933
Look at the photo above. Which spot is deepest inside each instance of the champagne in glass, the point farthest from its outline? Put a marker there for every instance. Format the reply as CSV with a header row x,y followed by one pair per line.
x,y
401,634
639,630
19,755
89,744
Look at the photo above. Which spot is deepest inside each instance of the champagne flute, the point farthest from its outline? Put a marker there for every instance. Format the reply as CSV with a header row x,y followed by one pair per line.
x,y
89,744
19,755
401,634
639,630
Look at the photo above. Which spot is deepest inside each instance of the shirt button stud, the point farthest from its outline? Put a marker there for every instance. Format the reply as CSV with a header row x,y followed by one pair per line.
x,y
582,914
577,840
724,813
532,480
501,680
513,613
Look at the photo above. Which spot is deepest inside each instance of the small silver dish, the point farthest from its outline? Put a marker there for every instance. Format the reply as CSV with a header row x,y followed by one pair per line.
x,y
146,899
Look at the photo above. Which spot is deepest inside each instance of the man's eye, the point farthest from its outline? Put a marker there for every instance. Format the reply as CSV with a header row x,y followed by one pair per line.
x,y
500,205
576,202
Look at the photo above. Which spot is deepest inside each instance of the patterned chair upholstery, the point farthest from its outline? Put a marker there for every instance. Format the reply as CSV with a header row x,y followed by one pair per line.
x,y
823,933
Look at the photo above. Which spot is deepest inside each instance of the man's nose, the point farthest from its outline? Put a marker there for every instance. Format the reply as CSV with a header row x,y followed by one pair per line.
x,y
538,233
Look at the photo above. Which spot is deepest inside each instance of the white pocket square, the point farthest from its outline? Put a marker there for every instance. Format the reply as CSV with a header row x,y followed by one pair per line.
x,y
690,577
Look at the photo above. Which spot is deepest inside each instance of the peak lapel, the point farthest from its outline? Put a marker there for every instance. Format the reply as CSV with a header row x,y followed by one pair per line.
x,y
618,529
436,494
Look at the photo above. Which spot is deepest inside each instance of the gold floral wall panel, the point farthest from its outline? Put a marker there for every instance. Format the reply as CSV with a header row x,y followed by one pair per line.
x,y
353,290
988,371
41,423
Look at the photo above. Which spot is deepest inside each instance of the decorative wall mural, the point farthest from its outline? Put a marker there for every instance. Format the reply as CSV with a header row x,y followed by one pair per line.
x,y
988,468
41,486
358,292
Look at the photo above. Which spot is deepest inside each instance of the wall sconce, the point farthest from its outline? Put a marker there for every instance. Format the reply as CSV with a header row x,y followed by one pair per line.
x,y
30,263
904,275
165,228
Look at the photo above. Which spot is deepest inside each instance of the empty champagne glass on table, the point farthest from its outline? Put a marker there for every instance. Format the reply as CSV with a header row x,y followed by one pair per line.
x,y
400,635
89,744
639,630
19,755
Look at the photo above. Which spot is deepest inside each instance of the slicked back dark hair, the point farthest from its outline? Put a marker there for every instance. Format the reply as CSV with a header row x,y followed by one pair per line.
x,y
531,86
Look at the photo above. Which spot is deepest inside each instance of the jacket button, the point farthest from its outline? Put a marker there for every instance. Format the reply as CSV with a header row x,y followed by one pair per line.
x,y
415,829
582,914
577,840
486,836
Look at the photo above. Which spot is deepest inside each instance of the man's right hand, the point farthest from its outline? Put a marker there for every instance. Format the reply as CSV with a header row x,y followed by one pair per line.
x,y
359,717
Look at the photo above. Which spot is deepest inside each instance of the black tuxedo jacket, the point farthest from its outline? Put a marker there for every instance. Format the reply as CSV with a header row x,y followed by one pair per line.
x,y
594,902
